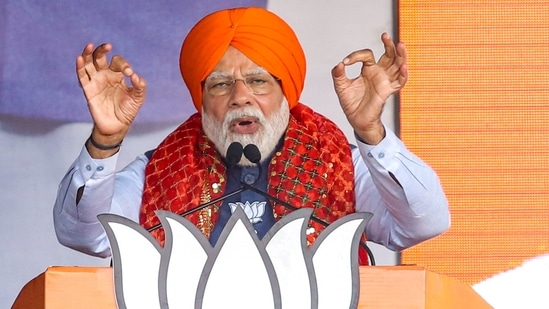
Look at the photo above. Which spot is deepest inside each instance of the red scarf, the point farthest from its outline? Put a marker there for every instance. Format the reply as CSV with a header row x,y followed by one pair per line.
x,y
313,169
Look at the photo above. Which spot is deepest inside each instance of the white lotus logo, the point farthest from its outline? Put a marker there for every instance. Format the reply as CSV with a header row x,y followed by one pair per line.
x,y
254,211
241,271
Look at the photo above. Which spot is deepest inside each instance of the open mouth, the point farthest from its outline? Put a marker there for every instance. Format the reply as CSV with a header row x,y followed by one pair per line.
x,y
245,125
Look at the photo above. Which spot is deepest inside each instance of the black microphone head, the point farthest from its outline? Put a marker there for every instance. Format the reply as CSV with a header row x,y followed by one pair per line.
x,y
234,153
251,152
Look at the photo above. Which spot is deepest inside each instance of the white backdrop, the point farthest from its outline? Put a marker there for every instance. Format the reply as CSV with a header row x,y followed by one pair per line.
x,y
36,154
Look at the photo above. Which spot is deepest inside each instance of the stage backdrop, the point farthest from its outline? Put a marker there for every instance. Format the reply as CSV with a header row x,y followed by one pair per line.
x,y
476,109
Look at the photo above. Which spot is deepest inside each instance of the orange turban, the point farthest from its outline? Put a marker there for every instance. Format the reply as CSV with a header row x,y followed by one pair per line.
x,y
259,34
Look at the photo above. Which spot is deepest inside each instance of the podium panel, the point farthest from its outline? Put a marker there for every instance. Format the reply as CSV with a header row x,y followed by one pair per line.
x,y
381,287
411,286
69,287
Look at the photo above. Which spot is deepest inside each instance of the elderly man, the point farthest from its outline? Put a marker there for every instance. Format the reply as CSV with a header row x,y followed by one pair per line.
x,y
245,71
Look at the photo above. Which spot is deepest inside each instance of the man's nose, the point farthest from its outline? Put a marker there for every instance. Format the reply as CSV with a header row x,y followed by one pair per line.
x,y
240,94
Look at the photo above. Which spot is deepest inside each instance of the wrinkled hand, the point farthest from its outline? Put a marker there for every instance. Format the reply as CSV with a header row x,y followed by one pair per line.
x,y
362,98
112,103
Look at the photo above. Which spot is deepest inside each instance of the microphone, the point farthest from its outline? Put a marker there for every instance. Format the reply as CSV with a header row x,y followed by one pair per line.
x,y
252,153
234,153
233,156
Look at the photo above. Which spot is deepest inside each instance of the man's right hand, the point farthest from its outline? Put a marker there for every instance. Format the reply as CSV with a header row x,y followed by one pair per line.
x,y
112,103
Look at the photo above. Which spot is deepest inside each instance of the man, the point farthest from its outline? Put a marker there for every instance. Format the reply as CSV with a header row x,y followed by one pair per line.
x,y
245,71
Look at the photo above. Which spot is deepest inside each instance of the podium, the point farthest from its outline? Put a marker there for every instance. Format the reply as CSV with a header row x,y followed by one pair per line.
x,y
381,287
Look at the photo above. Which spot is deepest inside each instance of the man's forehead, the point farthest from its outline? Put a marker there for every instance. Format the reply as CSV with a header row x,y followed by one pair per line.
x,y
247,72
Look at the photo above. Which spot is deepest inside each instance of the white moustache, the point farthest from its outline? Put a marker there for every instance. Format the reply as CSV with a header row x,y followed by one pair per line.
x,y
235,114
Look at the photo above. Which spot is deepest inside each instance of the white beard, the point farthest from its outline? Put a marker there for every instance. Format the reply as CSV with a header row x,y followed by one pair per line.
x,y
266,138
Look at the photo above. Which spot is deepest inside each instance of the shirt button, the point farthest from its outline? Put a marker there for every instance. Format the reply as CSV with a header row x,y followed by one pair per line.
x,y
370,155
249,179
100,168
381,155
88,167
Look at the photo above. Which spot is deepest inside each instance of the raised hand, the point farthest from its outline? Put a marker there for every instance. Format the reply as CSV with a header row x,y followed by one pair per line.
x,y
363,98
112,103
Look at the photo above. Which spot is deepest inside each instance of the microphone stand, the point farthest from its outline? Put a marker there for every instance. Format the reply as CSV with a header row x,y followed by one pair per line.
x,y
324,223
251,152
199,207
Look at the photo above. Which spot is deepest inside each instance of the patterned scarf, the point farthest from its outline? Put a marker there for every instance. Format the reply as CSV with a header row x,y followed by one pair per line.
x,y
313,169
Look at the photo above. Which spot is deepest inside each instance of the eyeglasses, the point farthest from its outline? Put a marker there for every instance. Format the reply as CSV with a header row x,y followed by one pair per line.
x,y
258,84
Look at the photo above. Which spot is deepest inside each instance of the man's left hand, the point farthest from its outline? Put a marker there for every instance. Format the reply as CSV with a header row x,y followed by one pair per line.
x,y
362,98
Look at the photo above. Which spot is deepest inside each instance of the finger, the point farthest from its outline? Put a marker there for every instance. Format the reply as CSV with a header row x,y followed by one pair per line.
x,y
100,56
87,53
338,71
390,54
403,77
85,57
339,75
401,52
394,70
366,56
402,63
389,45
119,64
83,76
138,83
